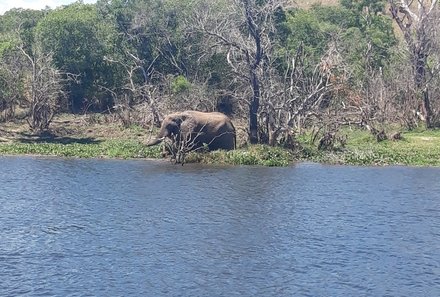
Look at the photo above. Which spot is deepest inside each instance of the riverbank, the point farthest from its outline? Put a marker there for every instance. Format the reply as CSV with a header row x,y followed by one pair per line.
x,y
415,148
86,137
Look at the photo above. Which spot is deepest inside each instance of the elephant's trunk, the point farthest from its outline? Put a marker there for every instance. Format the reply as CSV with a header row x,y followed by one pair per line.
x,y
163,133
154,141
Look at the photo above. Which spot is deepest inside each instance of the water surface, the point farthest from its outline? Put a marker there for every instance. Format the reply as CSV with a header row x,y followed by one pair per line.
x,y
74,227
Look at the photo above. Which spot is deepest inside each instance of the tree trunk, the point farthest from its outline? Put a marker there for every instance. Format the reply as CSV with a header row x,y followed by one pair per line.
x,y
254,63
420,60
427,109
416,28
253,109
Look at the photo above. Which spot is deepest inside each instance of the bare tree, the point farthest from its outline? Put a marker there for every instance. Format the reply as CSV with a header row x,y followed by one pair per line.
x,y
419,22
289,101
243,28
181,144
138,88
11,81
45,89
279,103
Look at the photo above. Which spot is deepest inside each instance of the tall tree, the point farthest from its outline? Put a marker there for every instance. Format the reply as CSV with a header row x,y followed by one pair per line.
x,y
79,39
45,89
155,46
16,35
246,29
419,23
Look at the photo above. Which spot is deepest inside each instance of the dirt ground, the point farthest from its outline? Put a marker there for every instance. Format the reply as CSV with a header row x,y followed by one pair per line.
x,y
67,126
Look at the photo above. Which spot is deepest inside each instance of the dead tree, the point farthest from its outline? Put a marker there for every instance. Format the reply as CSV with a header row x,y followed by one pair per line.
x,y
45,90
419,22
182,143
290,100
243,29
137,92
12,75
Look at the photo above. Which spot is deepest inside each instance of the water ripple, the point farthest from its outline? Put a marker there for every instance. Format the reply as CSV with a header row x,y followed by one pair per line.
x,y
134,228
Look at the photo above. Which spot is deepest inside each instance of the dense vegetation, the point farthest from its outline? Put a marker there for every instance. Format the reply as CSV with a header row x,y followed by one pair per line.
x,y
281,70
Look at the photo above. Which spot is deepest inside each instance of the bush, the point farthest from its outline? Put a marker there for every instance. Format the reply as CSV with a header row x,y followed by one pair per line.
x,y
180,84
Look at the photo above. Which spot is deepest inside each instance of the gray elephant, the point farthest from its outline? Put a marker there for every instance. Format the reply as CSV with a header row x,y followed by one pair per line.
x,y
197,129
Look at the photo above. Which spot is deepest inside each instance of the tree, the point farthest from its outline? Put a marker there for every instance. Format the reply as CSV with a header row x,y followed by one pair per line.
x,y
419,26
363,42
372,7
45,90
28,74
246,30
19,24
16,31
159,55
79,39
366,34
11,80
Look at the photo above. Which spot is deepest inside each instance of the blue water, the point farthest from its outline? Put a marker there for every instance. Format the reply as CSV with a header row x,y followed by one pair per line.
x,y
73,227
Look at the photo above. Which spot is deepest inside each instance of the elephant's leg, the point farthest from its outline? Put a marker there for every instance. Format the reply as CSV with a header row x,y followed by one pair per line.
x,y
224,141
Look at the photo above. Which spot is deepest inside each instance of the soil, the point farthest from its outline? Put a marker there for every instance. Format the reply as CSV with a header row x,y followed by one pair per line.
x,y
70,127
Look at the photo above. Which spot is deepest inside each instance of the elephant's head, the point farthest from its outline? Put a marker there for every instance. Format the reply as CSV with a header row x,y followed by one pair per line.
x,y
170,127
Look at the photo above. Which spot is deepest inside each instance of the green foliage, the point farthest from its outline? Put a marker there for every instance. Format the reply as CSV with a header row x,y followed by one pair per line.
x,y
338,16
180,84
86,38
12,78
374,6
312,30
79,40
307,31
154,38
16,31
17,26
217,71
155,31
370,46
7,46
262,155
371,39
364,35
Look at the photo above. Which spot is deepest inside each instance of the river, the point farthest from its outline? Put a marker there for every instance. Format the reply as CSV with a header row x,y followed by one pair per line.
x,y
85,227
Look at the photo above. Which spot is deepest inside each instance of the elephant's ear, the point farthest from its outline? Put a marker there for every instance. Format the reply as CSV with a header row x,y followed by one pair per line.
x,y
179,119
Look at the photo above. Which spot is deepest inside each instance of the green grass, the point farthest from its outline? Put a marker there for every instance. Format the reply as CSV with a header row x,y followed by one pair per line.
x,y
417,148
253,155
125,149
106,149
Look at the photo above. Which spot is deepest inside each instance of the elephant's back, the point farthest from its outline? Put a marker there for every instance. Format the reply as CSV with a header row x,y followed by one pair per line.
x,y
208,116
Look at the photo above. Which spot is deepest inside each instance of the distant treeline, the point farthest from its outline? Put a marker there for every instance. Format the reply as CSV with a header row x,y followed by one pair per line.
x,y
278,67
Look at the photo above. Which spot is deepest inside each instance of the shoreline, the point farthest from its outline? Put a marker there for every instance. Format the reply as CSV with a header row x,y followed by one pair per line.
x,y
76,137
260,155
167,161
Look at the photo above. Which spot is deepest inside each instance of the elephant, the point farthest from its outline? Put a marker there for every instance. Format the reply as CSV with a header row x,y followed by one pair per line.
x,y
197,129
